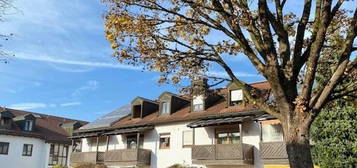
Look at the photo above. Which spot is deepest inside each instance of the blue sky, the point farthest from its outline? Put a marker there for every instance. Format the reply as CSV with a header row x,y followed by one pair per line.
x,y
63,64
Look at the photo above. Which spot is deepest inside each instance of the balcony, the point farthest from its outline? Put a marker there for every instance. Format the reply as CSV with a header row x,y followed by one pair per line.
x,y
273,153
87,157
127,157
222,154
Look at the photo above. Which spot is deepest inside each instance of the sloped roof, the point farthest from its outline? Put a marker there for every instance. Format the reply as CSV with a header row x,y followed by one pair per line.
x,y
218,109
47,127
108,119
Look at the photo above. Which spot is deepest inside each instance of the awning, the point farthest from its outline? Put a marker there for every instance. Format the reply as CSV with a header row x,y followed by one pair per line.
x,y
218,121
84,135
130,130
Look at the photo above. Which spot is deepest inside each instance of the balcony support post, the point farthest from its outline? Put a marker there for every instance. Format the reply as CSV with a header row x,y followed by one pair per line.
x,y
73,148
108,137
193,137
96,154
137,145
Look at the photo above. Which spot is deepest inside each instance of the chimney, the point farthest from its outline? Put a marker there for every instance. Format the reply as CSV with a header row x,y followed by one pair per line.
x,y
199,86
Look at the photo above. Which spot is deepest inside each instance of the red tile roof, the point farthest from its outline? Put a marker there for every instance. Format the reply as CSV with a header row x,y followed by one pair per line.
x,y
47,127
185,114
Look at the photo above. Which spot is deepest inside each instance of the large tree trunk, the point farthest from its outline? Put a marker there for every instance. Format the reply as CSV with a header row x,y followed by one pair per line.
x,y
298,145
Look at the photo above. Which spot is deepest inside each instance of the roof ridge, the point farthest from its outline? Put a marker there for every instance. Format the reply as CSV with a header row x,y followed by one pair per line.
x,y
42,114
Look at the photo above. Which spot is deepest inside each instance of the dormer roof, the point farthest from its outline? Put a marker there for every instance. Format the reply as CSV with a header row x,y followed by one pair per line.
x,y
138,98
6,114
28,116
166,93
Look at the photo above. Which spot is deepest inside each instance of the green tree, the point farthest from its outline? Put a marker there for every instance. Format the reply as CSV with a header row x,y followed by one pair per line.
x,y
183,38
334,133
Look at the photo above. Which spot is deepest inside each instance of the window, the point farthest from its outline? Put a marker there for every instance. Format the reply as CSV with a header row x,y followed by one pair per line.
x,y
165,108
197,103
58,154
136,111
272,133
27,150
228,137
5,121
28,125
132,140
187,138
4,148
165,141
236,96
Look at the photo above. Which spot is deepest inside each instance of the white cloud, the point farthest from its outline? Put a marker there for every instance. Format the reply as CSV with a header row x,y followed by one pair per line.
x,y
70,104
37,105
223,74
27,106
89,86
73,62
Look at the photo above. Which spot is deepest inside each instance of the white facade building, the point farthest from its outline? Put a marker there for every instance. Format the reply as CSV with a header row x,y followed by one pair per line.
x,y
206,131
34,140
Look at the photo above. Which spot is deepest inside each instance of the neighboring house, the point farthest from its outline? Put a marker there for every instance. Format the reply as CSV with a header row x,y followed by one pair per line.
x,y
33,140
216,129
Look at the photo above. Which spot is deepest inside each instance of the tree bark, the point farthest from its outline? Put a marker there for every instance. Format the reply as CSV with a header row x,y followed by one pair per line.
x,y
298,145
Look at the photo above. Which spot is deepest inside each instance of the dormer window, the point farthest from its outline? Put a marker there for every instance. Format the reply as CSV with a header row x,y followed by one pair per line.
x,y
28,125
136,111
141,107
198,103
165,108
236,96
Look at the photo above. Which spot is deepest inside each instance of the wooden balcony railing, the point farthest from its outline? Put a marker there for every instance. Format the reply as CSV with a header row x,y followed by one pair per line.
x,y
127,157
236,154
273,152
87,157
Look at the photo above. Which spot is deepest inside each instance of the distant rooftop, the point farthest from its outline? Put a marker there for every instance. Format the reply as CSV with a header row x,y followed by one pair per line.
x,y
108,119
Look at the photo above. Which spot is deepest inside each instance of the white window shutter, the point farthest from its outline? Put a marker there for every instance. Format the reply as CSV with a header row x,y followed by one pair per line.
x,y
236,95
187,138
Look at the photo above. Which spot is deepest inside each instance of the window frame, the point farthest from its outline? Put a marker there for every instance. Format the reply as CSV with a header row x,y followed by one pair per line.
x,y
2,145
54,158
167,136
134,137
27,152
229,131
163,108
200,105
28,127
235,102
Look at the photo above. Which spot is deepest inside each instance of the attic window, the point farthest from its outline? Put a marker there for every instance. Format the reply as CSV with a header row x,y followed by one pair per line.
x,y
136,111
28,125
236,96
165,108
197,103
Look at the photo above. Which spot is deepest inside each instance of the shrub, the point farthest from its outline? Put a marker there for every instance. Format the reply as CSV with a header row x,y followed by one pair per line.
x,y
59,166
89,165
178,166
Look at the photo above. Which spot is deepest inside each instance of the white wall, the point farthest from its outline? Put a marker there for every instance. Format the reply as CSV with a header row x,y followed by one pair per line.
x,y
177,153
251,136
14,159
